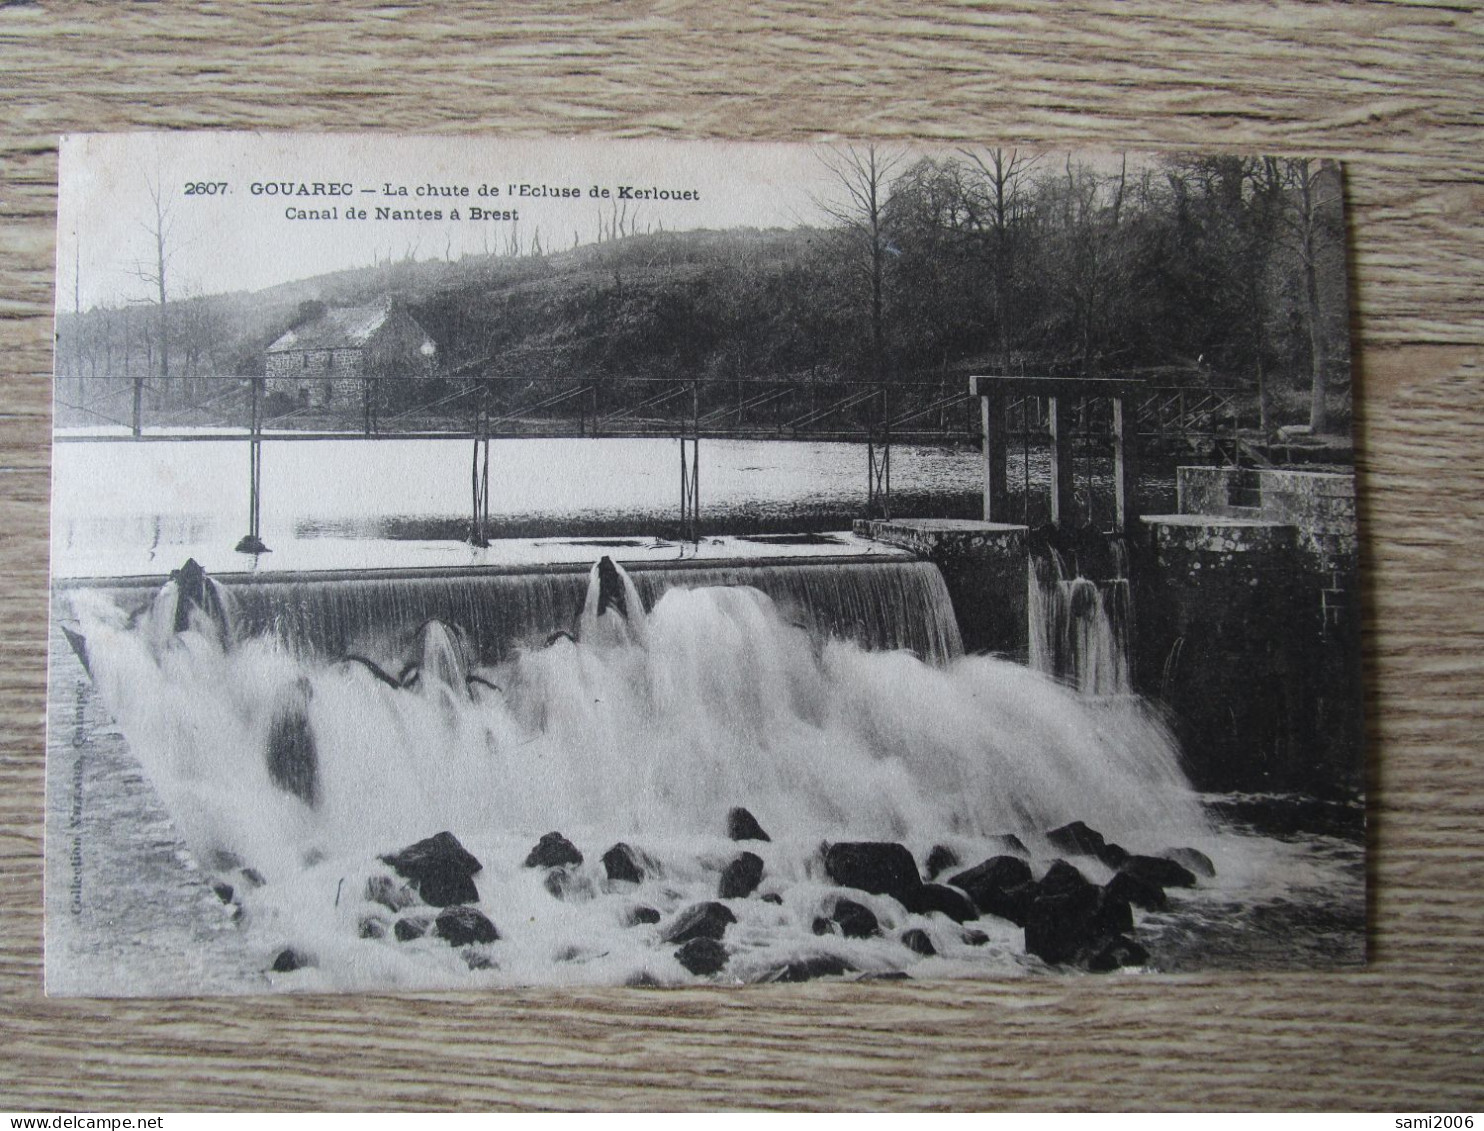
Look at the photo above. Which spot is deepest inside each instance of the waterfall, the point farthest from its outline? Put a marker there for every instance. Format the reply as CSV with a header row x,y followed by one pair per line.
x,y
1080,628
894,604
720,694
677,695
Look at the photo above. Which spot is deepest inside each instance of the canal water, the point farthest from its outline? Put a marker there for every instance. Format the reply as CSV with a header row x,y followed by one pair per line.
x,y
143,507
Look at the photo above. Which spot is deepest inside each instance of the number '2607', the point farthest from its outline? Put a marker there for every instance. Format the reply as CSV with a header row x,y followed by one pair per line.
x,y
206,188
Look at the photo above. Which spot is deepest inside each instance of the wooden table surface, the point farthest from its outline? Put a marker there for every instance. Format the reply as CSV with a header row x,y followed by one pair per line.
x,y
1394,89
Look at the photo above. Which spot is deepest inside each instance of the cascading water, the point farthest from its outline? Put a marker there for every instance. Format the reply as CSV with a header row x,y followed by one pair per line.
x,y
1079,628
880,605
304,766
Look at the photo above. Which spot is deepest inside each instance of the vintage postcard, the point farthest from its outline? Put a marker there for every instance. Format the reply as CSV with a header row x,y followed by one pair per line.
x,y
485,563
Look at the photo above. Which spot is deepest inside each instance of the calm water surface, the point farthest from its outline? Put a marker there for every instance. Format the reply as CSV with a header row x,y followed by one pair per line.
x,y
125,501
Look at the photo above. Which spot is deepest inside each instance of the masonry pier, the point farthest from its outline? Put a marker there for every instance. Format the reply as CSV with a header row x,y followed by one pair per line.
x,y
986,566
1249,626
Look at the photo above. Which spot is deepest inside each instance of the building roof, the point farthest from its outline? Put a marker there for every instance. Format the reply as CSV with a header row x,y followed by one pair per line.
x,y
342,327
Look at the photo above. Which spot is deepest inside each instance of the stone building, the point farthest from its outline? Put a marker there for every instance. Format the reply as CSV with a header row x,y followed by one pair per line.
x,y
322,362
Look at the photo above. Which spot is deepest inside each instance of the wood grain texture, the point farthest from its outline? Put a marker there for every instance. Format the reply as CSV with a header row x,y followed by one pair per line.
x,y
1395,89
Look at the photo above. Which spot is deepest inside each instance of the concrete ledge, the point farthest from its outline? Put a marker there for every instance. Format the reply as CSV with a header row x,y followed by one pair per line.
x,y
1220,534
939,535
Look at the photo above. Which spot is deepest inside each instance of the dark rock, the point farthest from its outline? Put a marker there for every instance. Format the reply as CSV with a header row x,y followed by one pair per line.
x,y
440,869
975,938
1009,843
372,927
1192,859
1062,920
885,976
1131,889
917,940
1159,871
253,877
945,900
822,926
390,894
642,980
223,891
939,860
1113,855
1062,878
807,969
1071,918
642,914
875,867
742,825
553,851
772,897
702,956
1077,839
1113,915
412,927
290,959
996,872
700,921
1000,886
477,960
1119,951
460,926
1012,904
293,761
612,593
854,920
741,877
623,863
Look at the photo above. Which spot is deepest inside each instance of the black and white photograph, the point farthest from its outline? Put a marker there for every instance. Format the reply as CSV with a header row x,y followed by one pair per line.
x,y
485,563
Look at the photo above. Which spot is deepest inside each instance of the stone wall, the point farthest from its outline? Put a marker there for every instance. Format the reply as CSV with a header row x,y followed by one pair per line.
x,y
1250,626
1320,505
316,377
1219,602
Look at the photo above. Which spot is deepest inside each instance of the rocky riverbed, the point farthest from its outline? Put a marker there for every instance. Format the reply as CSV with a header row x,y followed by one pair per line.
x,y
862,909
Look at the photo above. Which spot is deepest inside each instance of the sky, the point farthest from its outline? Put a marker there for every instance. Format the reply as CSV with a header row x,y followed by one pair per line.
x,y
226,236
228,221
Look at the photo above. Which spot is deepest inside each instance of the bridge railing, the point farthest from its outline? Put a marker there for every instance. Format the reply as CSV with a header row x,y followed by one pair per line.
x,y
1063,413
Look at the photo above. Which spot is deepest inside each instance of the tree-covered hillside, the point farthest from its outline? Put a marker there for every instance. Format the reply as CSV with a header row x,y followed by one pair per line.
x,y
1220,270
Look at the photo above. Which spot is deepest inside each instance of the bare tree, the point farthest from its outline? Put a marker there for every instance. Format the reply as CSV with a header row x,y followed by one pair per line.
x,y
862,175
155,273
1088,258
1313,200
1003,175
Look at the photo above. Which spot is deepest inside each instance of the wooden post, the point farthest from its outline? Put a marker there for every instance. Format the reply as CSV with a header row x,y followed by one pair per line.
x,y
695,467
1063,490
996,483
690,473
479,479
1125,465
252,541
